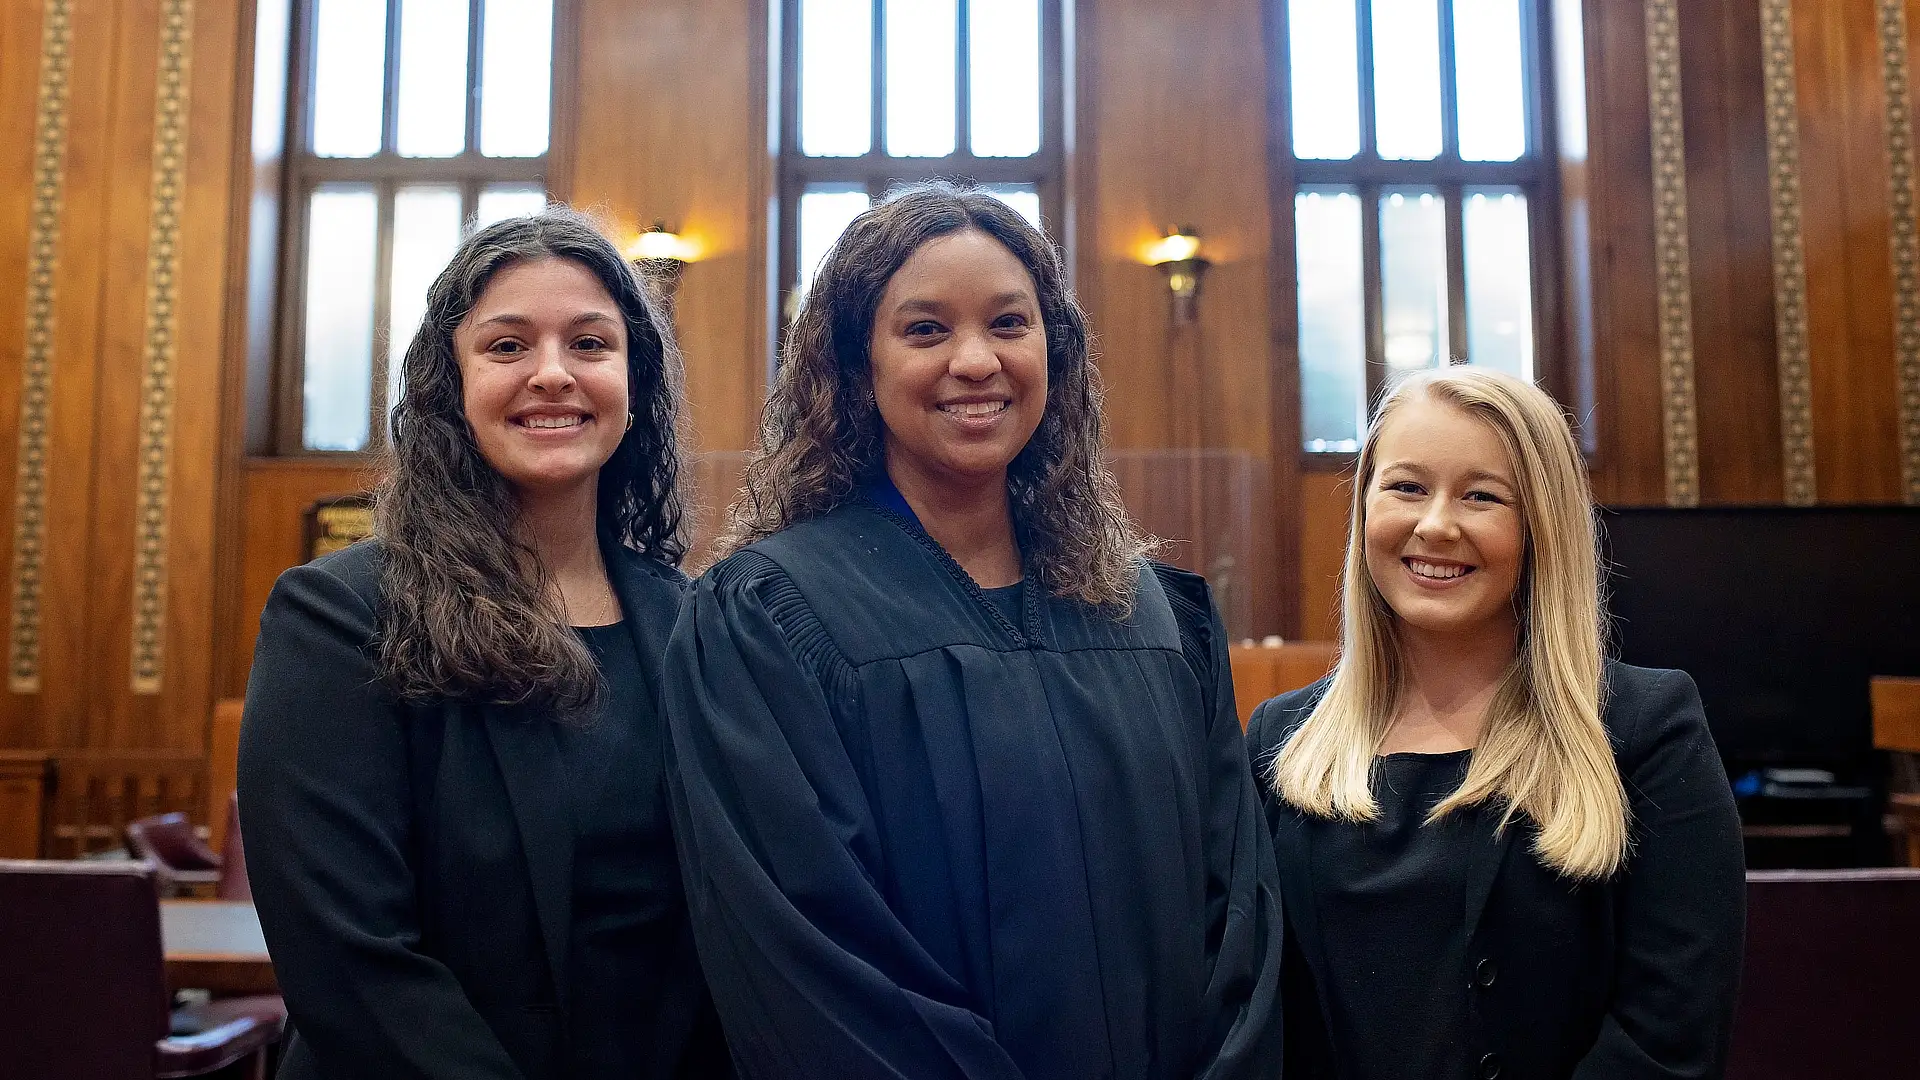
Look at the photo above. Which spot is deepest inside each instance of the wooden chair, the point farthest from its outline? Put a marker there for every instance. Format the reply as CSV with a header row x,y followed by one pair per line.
x,y
1896,729
97,794
83,992
182,864
223,767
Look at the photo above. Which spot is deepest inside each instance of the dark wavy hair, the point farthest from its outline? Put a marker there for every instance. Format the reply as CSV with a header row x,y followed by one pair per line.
x,y
822,437
468,613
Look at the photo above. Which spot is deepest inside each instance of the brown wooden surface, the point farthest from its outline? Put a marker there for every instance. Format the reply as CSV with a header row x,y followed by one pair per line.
x,y
1326,501
96,793
24,788
223,767
670,122
215,945
1896,714
1263,671
1905,809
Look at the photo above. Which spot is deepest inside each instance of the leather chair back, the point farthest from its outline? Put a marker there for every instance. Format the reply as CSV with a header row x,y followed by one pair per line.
x,y
83,991
233,858
1832,981
168,839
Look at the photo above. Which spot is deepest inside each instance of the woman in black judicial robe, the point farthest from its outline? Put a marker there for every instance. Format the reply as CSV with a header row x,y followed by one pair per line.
x,y
1503,855
958,775
451,767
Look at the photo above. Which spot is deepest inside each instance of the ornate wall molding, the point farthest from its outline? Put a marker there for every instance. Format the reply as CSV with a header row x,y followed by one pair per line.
x,y
1906,239
1789,251
154,464
36,369
1678,414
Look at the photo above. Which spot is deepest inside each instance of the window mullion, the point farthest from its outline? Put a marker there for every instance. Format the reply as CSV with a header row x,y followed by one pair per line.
x,y
1449,87
1373,300
878,121
382,313
390,91
1363,49
962,82
1455,196
476,15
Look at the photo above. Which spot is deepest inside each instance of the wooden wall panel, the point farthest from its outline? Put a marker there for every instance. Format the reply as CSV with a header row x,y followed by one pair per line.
x,y
1326,501
1849,276
1628,468
671,125
276,494
1735,376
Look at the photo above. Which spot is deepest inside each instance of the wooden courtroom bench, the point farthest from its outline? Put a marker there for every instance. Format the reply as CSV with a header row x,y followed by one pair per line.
x,y
1896,729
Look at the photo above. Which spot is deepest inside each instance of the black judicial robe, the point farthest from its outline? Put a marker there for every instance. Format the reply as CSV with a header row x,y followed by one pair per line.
x,y
920,841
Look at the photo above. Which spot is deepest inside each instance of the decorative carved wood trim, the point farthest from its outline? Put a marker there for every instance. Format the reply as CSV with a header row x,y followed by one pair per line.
x,y
1679,420
1892,23
156,383
1789,251
36,370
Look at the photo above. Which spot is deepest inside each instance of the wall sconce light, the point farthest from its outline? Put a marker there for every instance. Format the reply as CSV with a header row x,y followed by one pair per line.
x,y
1177,254
660,254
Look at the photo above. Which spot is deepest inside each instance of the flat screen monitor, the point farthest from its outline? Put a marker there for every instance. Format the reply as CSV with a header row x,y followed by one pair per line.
x,y
1781,615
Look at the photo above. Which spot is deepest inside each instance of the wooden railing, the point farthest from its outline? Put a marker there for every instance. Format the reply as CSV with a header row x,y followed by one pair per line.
x,y
97,792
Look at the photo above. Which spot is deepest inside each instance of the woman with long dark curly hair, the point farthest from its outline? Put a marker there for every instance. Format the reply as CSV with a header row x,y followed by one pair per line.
x,y
452,763
958,778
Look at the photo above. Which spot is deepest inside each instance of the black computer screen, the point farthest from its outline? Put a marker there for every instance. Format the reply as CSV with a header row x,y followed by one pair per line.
x,y
1780,615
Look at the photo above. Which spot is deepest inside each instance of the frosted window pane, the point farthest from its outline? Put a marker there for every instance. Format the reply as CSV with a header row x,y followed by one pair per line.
x,y
516,77
1413,278
426,230
499,202
1499,281
1003,73
921,39
1487,50
825,213
1333,383
349,76
433,77
836,77
1406,79
1323,54
1022,197
337,357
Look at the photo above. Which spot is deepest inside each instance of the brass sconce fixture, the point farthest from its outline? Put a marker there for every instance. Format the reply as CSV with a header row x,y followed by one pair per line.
x,y
660,254
1177,254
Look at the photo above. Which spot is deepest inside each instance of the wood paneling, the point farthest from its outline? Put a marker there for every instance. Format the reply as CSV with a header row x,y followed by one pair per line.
x,y
24,788
670,115
1730,244
276,494
1326,501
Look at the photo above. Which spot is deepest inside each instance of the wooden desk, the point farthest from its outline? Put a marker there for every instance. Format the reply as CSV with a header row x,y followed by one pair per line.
x,y
215,945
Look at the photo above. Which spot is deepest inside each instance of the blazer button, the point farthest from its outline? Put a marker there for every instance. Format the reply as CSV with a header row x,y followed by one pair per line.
x,y
1484,973
1490,1067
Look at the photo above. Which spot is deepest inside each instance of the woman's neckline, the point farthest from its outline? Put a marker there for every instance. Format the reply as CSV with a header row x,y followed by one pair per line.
x,y
1430,754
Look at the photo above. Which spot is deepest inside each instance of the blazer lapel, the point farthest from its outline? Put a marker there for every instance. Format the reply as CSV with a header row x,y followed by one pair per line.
x,y
1484,859
529,758
647,605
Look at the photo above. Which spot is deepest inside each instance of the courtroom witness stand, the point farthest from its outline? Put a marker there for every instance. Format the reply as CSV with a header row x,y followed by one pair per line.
x,y
1502,855
451,763
961,787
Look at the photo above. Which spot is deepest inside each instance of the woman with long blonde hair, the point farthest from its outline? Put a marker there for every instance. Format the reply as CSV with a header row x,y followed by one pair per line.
x,y
1502,854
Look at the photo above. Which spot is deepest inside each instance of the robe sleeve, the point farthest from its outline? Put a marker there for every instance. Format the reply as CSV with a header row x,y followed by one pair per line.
x,y
1681,905
1245,934
813,974
328,824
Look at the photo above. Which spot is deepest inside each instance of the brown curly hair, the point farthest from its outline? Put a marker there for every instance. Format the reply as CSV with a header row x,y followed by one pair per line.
x,y
822,437
466,612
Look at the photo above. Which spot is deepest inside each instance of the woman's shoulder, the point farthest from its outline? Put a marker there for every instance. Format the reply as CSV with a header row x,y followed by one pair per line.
x,y
1276,719
1641,706
353,569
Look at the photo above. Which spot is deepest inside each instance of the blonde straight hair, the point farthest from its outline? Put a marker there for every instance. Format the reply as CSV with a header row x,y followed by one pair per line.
x,y
1543,753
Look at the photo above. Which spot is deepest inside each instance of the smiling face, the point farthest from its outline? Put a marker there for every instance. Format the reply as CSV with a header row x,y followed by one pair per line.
x,y
959,360
1445,535
543,367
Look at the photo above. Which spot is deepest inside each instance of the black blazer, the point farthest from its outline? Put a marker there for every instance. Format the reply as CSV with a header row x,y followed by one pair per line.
x,y
1632,977
412,865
